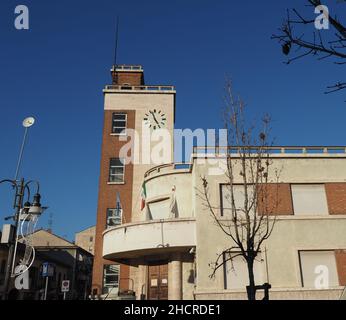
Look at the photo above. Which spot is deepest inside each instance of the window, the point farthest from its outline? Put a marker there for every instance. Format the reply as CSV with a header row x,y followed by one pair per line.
x,y
116,170
111,278
239,198
119,123
236,272
114,217
318,269
309,199
159,209
91,239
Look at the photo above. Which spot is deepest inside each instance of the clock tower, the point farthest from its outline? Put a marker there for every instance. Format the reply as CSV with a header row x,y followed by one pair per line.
x,y
139,119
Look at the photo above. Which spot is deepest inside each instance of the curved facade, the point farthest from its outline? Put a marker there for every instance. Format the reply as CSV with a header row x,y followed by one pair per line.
x,y
132,243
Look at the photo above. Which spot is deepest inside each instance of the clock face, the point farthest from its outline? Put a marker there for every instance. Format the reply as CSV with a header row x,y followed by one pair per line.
x,y
155,119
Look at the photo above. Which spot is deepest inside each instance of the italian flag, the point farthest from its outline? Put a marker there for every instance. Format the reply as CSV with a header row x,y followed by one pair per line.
x,y
143,196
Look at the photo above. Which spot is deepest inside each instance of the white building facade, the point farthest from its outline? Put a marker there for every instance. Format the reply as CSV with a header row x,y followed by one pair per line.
x,y
307,243
167,247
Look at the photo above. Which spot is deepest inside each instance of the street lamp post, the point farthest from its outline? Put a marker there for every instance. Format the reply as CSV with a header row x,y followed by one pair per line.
x,y
20,187
18,202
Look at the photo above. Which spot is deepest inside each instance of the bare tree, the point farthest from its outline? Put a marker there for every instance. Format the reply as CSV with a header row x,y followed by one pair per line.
x,y
322,44
249,167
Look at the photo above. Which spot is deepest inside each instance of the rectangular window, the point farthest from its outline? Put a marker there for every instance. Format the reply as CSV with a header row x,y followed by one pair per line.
x,y
236,272
114,217
159,209
116,170
273,199
309,199
119,122
318,269
239,199
111,278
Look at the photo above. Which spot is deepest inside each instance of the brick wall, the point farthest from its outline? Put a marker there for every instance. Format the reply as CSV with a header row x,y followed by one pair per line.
x,y
336,197
275,199
279,196
107,196
340,256
131,78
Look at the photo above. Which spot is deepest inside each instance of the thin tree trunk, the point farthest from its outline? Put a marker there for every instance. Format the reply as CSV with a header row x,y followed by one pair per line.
x,y
251,292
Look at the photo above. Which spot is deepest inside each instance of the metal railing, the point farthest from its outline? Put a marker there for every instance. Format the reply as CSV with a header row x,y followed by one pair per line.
x,y
171,167
126,67
140,88
221,150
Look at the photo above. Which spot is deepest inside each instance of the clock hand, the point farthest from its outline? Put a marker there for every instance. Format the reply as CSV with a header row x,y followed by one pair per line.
x,y
154,117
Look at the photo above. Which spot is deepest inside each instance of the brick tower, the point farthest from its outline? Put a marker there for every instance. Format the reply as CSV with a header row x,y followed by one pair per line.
x,y
128,103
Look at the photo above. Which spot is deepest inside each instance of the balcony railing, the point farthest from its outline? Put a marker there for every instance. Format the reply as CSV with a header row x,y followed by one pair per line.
x,y
133,241
220,150
165,168
126,67
161,88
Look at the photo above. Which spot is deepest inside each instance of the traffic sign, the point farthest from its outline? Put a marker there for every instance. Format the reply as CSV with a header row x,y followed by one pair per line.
x,y
47,270
65,286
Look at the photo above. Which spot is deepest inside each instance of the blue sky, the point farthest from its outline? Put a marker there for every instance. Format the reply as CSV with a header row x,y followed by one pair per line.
x,y
56,71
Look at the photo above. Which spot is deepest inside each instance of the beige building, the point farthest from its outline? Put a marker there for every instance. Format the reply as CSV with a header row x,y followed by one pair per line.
x,y
70,263
62,270
165,253
86,239
78,259
309,233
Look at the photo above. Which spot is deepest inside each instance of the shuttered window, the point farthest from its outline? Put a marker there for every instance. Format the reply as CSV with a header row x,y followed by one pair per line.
x,y
159,209
239,199
236,272
318,269
309,199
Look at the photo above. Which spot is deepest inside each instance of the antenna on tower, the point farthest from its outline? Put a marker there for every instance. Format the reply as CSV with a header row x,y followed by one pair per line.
x,y
115,76
116,42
